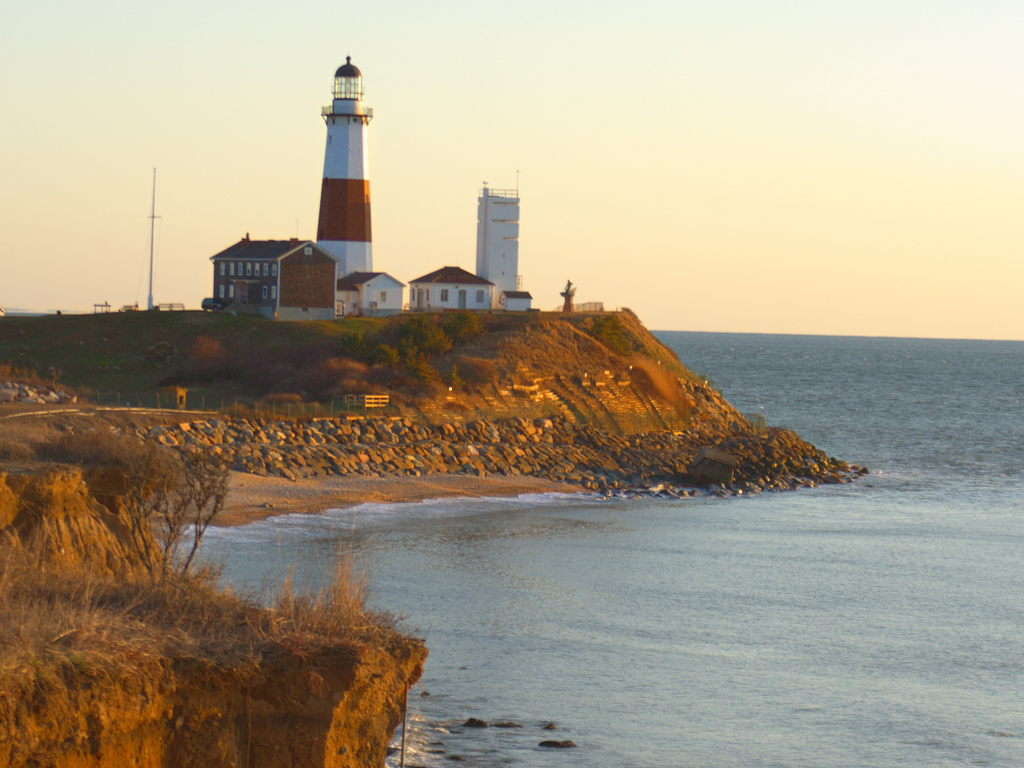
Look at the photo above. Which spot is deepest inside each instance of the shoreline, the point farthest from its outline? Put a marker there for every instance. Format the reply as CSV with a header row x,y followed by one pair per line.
x,y
253,497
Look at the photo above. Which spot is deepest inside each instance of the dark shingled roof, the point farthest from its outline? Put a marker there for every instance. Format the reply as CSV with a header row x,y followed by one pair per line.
x,y
452,275
265,250
518,295
353,280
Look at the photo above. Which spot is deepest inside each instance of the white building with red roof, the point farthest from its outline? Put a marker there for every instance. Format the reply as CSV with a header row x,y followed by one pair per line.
x,y
450,288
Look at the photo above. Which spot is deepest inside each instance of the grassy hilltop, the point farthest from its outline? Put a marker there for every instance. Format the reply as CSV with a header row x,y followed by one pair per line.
x,y
457,365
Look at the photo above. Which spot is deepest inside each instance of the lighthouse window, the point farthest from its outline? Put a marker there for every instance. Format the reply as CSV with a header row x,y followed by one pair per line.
x,y
444,294
348,87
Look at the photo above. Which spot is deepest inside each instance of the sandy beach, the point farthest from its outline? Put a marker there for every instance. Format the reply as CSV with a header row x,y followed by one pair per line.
x,y
253,497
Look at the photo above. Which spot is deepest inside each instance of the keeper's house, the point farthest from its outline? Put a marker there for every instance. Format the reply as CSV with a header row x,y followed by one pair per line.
x,y
281,279
372,294
450,288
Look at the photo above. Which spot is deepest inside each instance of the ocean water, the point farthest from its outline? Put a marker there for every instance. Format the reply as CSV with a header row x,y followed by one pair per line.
x,y
879,623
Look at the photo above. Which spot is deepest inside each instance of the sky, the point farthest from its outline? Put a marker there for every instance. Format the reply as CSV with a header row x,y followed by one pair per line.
x,y
794,166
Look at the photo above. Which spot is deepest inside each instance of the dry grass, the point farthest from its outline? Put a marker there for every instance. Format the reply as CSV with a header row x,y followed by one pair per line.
x,y
20,438
85,446
56,624
41,437
19,375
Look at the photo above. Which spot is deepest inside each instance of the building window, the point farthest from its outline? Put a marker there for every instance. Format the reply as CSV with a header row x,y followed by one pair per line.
x,y
264,291
479,297
221,292
383,296
231,291
273,269
248,269
232,265
444,294
266,269
308,250
273,291
222,269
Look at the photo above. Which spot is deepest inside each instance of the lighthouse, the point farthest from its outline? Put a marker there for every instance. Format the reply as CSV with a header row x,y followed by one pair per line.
x,y
344,225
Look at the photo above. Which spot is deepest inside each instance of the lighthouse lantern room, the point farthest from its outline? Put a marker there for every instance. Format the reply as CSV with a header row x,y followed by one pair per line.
x,y
344,225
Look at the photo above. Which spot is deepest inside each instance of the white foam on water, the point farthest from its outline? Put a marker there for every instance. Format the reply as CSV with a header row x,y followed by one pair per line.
x,y
338,521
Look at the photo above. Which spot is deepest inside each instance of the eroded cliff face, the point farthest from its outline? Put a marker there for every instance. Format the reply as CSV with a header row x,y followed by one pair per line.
x,y
56,516
328,710
81,691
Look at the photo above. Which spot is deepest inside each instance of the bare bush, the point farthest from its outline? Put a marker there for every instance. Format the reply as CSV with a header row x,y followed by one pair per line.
x,y
199,496
184,490
476,371
333,377
206,350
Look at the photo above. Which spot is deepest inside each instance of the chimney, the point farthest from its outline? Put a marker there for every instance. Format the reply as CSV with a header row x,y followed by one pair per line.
x,y
295,241
247,237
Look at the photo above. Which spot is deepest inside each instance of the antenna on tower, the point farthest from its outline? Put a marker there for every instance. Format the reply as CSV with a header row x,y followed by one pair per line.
x,y
517,182
152,225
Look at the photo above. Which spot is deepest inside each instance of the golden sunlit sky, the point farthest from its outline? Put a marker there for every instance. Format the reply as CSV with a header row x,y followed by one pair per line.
x,y
839,167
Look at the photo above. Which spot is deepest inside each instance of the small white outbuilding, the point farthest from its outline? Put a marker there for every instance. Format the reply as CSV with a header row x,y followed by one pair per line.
x,y
373,294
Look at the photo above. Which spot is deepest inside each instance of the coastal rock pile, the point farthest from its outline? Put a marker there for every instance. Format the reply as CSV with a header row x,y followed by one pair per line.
x,y
555,448
13,392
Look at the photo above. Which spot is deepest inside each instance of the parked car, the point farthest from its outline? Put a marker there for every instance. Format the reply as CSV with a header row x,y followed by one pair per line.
x,y
212,305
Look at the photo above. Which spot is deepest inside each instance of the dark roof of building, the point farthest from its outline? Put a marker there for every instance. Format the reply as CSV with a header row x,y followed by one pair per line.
x,y
517,295
353,280
264,250
348,69
452,275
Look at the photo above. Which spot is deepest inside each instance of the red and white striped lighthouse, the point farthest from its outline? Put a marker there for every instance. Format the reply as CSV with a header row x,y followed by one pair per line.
x,y
344,227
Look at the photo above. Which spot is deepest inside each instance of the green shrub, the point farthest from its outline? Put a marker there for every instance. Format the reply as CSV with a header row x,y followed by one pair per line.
x,y
460,327
609,330
422,336
420,369
382,354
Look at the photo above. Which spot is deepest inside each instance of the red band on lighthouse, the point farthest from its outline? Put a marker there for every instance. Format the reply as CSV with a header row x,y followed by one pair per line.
x,y
344,210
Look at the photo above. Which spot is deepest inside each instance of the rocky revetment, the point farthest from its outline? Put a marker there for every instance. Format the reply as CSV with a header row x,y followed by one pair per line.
x,y
729,459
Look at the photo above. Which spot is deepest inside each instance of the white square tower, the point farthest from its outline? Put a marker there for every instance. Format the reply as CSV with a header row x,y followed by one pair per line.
x,y
497,240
